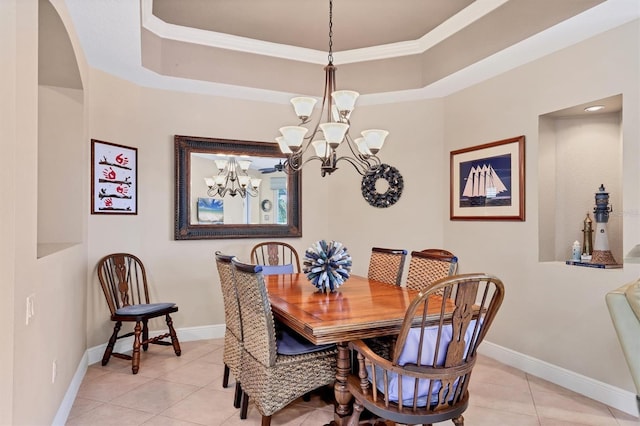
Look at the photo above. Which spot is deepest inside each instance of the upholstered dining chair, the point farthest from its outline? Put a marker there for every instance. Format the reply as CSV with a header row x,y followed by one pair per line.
x,y
278,367
426,380
123,280
232,352
428,266
386,265
273,253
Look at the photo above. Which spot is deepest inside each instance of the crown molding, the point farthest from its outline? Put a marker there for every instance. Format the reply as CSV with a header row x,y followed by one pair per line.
x,y
109,34
184,34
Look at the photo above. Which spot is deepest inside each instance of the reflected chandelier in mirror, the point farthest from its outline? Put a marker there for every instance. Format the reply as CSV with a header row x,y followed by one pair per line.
x,y
201,213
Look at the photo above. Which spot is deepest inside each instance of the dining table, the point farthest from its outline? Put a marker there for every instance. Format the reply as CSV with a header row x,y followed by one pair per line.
x,y
360,308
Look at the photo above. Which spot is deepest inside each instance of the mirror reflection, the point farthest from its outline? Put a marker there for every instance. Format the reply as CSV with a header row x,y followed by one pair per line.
x,y
234,189
227,189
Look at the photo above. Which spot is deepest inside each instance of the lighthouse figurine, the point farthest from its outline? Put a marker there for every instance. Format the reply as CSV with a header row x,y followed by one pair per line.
x,y
601,253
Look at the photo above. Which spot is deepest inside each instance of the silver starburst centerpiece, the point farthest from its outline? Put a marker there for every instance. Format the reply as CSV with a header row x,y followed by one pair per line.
x,y
327,265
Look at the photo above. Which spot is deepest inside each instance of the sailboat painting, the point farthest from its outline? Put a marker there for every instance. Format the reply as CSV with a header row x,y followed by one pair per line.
x,y
487,182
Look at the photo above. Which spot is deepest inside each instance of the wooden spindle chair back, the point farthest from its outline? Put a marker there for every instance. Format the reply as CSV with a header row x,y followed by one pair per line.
x,y
427,379
123,279
275,253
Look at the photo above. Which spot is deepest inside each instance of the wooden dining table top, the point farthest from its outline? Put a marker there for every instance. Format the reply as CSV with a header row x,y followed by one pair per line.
x,y
360,308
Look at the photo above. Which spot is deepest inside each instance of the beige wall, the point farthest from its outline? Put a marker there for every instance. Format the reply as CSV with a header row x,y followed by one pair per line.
x,y
414,147
10,86
552,312
61,165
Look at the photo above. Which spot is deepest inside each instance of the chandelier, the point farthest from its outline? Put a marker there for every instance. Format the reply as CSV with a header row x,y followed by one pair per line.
x,y
328,135
233,179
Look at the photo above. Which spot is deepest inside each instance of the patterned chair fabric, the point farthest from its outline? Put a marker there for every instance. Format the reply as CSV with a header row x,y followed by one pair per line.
x,y
428,266
272,380
232,352
386,265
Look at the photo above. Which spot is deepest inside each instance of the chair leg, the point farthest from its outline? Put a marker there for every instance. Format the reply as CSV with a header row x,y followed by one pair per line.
x,y
358,408
225,377
112,341
266,420
174,337
145,335
245,406
458,421
237,397
135,356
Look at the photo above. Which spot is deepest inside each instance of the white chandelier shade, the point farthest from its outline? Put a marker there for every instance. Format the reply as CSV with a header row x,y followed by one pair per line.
x,y
320,147
232,179
303,106
334,133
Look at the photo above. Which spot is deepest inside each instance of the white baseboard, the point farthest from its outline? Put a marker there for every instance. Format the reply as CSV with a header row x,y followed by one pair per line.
x,y
184,335
610,395
70,395
94,354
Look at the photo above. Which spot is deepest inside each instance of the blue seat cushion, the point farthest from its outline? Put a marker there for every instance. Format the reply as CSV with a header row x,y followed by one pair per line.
x,y
277,269
409,355
291,343
143,309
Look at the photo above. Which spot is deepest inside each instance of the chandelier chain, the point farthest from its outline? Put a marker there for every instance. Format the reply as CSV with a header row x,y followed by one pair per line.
x,y
330,57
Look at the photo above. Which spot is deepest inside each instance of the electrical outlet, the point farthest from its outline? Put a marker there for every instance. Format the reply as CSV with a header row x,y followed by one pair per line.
x,y
54,371
30,309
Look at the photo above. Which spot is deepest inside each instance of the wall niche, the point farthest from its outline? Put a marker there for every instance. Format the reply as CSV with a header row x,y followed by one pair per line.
x,y
62,170
578,151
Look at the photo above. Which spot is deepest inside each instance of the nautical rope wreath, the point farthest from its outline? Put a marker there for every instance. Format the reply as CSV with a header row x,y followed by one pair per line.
x,y
392,195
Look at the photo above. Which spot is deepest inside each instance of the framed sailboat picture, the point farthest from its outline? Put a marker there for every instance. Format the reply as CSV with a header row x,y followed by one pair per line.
x,y
487,181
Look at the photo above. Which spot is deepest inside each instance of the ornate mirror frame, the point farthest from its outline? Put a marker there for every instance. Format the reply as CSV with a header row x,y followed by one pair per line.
x,y
184,230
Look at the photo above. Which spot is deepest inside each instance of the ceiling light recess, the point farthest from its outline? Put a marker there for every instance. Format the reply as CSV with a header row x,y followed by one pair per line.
x,y
594,108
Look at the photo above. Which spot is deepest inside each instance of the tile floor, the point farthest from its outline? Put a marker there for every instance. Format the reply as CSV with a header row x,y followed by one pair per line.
x,y
187,390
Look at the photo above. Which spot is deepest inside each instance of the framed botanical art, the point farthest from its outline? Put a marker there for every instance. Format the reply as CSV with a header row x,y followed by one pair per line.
x,y
114,183
487,181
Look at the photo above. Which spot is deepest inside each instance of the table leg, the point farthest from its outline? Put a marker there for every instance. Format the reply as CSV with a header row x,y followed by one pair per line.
x,y
342,395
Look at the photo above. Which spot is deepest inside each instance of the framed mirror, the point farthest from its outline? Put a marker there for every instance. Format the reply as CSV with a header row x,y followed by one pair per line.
x,y
203,210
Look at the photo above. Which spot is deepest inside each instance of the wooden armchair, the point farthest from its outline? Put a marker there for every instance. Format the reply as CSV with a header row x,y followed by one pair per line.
x,y
273,253
124,283
428,266
427,379
232,352
276,368
386,265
